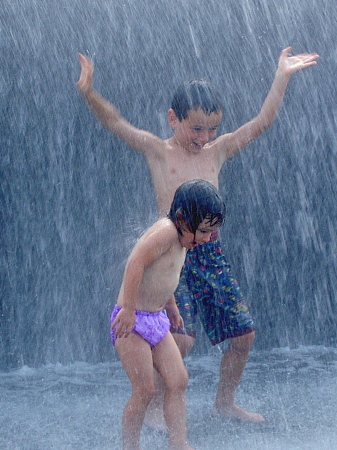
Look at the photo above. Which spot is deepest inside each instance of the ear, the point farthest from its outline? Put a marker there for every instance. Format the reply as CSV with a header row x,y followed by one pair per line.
x,y
172,118
179,220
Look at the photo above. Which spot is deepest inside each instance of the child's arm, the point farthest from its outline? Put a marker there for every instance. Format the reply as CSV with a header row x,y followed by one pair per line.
x,y
230,143
108,114
125,318
173,313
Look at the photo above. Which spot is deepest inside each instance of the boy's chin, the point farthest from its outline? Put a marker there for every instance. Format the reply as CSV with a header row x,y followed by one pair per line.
x,y
196,147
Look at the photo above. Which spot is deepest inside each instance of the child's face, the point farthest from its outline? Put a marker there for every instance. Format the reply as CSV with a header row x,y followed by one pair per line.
x,y
196,130
203,234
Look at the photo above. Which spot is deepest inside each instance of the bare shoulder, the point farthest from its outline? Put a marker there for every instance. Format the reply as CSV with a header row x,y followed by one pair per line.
x,y
144,141
225,146
162,233
151,145
155,242
162,156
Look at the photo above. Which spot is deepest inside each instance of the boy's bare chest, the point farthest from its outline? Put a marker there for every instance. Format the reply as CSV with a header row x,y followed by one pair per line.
x,y
176,170
193,169
169,173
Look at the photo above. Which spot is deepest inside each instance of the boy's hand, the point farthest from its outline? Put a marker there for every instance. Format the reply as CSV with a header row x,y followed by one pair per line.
x,y
84,83
125,320
292,64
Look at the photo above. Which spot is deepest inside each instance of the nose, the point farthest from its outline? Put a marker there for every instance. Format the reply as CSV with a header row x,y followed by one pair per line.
x,y
206,238
204,137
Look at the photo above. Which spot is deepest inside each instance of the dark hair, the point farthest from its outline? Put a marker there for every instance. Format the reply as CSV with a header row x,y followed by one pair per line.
x,y
197,200
196,94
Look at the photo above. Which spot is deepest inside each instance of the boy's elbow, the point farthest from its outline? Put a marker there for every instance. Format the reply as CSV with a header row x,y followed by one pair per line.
x,y
263,123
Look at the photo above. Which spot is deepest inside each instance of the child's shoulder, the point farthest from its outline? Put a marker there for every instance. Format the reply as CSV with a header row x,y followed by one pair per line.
x,y
164,225
161,236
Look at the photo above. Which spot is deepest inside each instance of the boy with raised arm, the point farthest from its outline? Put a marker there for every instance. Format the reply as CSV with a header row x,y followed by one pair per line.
x,y
140,329
192,152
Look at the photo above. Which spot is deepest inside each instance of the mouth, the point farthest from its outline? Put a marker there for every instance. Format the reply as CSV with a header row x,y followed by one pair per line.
x,y
196,145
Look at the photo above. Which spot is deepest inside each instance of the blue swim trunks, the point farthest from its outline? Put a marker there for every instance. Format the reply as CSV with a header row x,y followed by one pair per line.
x,y
151,326
208,289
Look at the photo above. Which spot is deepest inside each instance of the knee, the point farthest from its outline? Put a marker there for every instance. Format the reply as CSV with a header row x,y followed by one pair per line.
x,y
179,382
243,344
146,392
183,380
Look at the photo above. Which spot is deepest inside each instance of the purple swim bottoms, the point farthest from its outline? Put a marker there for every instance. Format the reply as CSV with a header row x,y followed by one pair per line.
x,y
151,326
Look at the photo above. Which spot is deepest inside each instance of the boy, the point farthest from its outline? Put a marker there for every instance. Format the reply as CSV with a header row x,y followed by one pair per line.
x,y
139,328
193,152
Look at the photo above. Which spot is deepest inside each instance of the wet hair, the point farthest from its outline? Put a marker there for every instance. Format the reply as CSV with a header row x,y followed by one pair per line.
x,y
195,94
198,200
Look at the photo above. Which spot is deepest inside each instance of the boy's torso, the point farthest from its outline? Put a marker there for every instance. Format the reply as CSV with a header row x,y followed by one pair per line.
x,y
175,166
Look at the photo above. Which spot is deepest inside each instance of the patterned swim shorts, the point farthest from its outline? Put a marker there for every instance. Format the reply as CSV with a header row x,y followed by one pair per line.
x,y
151,326
208,289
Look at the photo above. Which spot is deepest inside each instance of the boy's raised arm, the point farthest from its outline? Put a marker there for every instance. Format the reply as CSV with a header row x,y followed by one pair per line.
x,y
109,115
287,66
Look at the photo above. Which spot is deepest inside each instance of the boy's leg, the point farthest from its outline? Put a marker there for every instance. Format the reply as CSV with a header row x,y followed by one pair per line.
x,y
184,343
232,365
223,312
136,357
168,362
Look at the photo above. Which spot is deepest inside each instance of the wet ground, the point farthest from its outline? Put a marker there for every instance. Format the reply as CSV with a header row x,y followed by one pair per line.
x,y
80,406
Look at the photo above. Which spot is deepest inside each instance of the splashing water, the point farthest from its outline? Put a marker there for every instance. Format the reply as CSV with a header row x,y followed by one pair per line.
x,y
74,199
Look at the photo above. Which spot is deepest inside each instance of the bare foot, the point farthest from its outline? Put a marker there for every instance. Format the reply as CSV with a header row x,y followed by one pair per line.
x,y
237,413
154,418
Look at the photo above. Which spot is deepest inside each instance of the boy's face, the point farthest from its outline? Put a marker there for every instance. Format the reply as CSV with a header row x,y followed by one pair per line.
x,y
196,130
203,234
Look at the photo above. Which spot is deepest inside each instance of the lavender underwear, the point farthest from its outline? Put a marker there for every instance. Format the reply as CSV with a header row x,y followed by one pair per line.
x,y
151,326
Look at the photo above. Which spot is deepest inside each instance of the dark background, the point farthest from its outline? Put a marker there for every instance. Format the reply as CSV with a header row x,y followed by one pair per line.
x,y
74,198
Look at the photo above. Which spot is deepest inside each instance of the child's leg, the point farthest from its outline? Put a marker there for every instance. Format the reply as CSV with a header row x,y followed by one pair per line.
x,y
136,357
167,360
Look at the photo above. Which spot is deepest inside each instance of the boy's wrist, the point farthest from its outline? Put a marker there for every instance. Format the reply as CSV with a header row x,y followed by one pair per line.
x,y
88,94
281,73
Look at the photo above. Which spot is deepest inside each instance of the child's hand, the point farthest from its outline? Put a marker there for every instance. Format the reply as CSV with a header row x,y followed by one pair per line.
x,y
124,321
174,316
84,83
292,64
180,322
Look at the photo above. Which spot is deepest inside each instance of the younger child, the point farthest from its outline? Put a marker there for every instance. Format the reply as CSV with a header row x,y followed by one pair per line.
x,y
140,328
